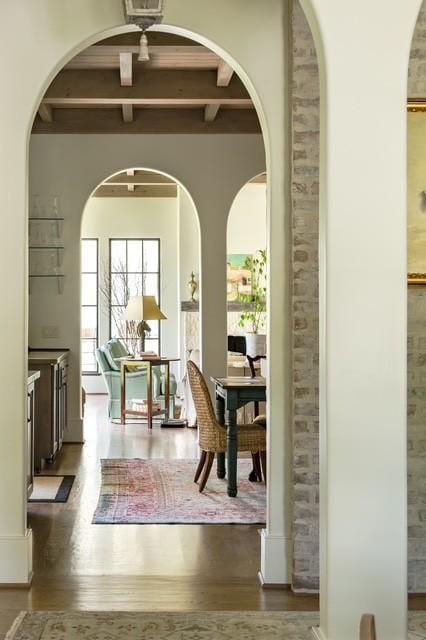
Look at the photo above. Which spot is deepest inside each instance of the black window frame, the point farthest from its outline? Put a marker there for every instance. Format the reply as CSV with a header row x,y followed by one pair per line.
x,y
142,273
96,339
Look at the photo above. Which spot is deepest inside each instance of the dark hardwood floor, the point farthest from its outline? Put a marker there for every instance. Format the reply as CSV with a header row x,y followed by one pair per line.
x,y
82,566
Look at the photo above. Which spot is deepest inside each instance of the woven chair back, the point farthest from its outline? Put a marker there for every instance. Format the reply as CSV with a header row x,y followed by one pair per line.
x,y
208,427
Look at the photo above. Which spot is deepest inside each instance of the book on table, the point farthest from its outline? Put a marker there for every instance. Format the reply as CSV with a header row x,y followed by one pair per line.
x,y
141,405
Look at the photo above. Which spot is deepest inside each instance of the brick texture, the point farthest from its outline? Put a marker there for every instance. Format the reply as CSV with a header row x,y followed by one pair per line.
x,y
416,445
305,206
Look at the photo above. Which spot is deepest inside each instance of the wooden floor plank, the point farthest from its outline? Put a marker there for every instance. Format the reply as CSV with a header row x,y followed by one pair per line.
x,y
81,566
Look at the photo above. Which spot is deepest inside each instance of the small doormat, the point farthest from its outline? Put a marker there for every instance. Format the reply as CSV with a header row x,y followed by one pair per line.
x,y
51,488
88,625
164,492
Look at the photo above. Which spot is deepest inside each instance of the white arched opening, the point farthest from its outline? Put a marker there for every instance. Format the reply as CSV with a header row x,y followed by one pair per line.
x,y
40,67
168,225
246,239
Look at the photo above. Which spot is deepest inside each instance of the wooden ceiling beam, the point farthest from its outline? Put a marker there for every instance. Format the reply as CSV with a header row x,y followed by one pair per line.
x,y
224,74
126,69
140,191
140,178
45,112
150,88
178,57
156,38
210,112
260,179
127,111
149,121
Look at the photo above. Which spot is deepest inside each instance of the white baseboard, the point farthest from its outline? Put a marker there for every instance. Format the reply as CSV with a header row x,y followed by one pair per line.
x,y
16,559
275,568
74,431
317,634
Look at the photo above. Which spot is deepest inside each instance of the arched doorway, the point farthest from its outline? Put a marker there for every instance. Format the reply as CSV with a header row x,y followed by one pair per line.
x,y
247,283
277,173
86,168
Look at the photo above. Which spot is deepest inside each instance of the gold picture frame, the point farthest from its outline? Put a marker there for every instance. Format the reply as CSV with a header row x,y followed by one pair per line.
x,y
416,279
416,192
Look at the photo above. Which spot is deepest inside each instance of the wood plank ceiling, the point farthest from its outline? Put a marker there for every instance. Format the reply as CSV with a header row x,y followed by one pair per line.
x,y
138,183
183,88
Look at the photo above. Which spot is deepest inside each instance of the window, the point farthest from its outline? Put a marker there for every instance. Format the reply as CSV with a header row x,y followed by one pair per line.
x,y
89,305
134,271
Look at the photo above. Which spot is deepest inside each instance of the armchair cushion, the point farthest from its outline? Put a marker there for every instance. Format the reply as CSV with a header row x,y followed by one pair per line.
x,y
114,349
117,348
109,358
102,361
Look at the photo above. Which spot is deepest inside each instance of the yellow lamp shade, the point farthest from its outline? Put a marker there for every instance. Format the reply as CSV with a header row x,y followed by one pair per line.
x,y
143,308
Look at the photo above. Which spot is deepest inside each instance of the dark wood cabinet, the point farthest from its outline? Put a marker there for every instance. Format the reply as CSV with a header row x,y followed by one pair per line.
x,y
31,382
62,400
50,404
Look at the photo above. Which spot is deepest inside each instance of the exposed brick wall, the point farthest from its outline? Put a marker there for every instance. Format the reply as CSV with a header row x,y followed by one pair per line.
x,y
305,109
417,67
305,172
417,438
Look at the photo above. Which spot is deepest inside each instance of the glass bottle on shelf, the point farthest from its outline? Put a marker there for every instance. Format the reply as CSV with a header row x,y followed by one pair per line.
x,y
55,207
53,260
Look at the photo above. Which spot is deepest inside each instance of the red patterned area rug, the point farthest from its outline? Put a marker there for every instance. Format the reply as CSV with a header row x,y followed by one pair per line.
x,y
163,492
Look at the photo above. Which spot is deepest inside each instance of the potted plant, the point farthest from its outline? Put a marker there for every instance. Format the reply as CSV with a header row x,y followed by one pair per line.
x,y
254,317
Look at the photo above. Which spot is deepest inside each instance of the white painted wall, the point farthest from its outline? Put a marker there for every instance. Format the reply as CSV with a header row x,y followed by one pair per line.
x,y
106,218
246,230
247,227
189,245
73,166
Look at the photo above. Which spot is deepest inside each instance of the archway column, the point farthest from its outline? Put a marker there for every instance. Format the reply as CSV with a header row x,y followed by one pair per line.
x,y
15,538
276,538
213,318
363,475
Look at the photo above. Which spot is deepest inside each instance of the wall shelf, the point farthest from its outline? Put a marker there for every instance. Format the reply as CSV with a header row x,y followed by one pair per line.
x,y
194,306
34,218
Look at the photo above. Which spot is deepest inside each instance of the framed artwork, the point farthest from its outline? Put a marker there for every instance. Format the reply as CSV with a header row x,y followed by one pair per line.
x,y
416,196
238,275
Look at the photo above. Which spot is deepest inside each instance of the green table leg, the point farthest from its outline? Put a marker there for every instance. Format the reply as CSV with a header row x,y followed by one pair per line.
x,y
232,450
220,415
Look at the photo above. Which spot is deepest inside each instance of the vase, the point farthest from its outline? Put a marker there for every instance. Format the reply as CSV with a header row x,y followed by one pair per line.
x,y
192,285
255,344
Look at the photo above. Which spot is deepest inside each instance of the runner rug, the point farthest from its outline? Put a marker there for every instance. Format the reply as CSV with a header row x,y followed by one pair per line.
x,y
164,492
159,626
258,625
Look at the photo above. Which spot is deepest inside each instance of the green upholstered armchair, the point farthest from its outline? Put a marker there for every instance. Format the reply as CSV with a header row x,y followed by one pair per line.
x,y
136,382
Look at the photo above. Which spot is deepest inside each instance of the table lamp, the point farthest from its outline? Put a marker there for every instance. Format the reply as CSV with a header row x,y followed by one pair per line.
x,y
140,309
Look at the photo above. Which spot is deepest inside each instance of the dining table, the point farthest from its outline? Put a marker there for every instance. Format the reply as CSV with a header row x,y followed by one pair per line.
x,y
231,394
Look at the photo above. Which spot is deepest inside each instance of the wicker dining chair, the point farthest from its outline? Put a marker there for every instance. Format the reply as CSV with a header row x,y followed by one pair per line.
x,y
259,419
212,436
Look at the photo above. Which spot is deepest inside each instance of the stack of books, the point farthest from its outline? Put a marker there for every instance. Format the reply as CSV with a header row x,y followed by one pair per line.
x,y
142,406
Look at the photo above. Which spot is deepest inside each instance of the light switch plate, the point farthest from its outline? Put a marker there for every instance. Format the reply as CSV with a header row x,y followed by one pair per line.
x,y
51,331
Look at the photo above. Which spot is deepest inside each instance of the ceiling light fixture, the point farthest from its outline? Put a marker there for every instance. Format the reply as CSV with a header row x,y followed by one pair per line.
x,y
144,13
